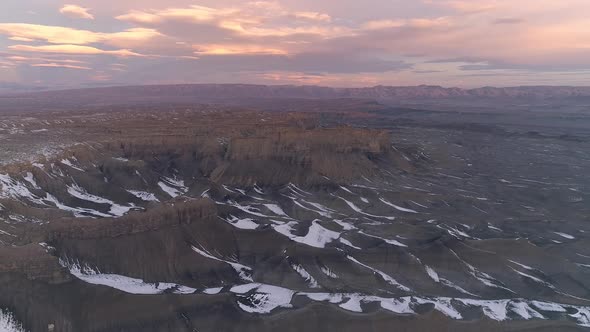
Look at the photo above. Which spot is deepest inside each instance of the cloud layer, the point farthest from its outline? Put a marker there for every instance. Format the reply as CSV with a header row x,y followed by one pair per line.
x,y
76,12
449,42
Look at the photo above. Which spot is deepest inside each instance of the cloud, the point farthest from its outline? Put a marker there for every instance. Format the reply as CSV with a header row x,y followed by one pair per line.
x,y
508,20
59,65
21,39
71,49
76,12
193,14
231,40
66,35
36,59
225,49
466,7
424,23
51,34
252,19
312,16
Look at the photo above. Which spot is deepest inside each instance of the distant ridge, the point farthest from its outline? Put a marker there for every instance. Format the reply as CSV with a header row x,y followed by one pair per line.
x,y
312,91
203,93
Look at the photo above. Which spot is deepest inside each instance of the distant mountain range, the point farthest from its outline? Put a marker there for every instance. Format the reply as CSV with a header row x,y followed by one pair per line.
x,y
197,93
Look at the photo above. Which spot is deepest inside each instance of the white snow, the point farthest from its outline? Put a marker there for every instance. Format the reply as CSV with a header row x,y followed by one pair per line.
x,y
483,277
276,209
245,288
212,291
582,316
243,271
567,236
524,310
244,223
490,226
173,192
80,193
327,271
172,186
521,265
69,163
31,179
353,304
431,273
322,297
494,309
12,188
383,275
392,242
123,283
317,236
78,212
345,226
248,209
399,306
305,275
357,209
320,212
399,208
533,278
8,323
258,190
265,299
348,243
449,283
548,306
443,305
301,191
346,189
228,189
144,196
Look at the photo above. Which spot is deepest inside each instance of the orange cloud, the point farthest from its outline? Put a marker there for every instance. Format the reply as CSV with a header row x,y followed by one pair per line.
x,y
21,39
65,35
219,49
252,19
471,6
192,14
71,49
411,23
76,12
313,16
59,65
19,58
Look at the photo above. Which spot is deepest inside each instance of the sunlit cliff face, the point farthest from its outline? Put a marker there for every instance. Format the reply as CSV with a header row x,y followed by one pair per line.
x,y
340,43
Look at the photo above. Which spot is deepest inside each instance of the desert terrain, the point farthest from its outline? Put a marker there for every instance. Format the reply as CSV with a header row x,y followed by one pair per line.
x,y
203,208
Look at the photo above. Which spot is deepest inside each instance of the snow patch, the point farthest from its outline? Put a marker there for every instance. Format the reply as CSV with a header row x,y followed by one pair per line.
x,y
123,283
265,299
276,209
383,275
243,271
567,236
305,275
317,236
8,323
399,208
144,196
244,223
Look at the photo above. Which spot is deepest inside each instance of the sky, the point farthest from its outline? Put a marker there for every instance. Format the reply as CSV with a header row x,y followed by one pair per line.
x,y
342,43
